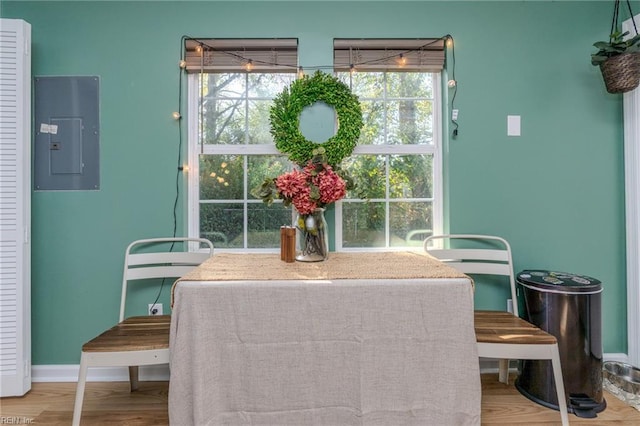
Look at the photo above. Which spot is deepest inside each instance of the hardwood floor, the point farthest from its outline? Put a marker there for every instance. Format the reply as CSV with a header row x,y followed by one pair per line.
x,y
504,405
112,403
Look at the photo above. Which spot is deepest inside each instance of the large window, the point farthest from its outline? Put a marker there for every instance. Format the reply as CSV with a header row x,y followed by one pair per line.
x,y
235,155
396,164
230,148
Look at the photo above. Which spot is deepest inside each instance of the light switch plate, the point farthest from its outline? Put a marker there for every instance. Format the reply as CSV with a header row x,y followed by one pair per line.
x,y
513,125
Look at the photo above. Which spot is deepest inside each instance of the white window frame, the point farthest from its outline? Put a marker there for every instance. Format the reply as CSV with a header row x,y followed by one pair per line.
x,y
434,149
632,185
195,149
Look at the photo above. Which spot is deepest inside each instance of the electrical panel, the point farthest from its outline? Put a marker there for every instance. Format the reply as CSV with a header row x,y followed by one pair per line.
x,y
67,133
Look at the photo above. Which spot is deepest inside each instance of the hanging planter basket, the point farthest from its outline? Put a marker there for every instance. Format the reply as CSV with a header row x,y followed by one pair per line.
x,y
621,73
619,58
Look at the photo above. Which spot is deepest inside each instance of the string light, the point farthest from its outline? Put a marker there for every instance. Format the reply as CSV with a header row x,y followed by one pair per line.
x,y
176,115
453,84
449,41
402,61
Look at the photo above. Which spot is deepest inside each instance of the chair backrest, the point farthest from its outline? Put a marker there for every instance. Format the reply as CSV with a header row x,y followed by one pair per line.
x,y
153,258
475,254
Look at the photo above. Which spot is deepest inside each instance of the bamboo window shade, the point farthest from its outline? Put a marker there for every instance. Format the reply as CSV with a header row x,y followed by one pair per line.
x,y
231,55
424,54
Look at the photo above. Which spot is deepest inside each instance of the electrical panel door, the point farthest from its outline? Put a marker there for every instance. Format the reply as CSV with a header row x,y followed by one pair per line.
x,y
66,134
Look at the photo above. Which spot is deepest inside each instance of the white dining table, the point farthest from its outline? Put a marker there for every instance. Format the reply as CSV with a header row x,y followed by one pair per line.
x,y
359,339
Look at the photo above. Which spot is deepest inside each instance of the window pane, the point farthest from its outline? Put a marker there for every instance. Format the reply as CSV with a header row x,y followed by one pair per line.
x,y
221,177
368,173
259,126
224,122
363,224
261,167
268,85
222,224
410,223
411,176
225,86
409,85
373,131
264,224
409,122
366,84
229,117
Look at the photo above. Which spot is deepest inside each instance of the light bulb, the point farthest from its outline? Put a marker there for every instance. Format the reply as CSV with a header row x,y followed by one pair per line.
x,y
182,64
352,68
449,41
249,65
452,83
199,49
185,168
300,72
176,115
402,61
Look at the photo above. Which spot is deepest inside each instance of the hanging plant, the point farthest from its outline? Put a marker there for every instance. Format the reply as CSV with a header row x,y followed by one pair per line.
x,y
619,58
304,92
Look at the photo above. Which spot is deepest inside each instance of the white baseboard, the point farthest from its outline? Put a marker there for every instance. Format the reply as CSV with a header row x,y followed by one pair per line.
x,y
617,357
491,365
69,373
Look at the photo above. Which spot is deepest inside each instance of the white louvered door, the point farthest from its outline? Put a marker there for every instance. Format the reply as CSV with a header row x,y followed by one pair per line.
x,y
15,207
632,198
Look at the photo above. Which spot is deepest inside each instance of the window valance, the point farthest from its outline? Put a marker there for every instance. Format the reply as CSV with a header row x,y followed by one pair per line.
x,y
424,54
235,55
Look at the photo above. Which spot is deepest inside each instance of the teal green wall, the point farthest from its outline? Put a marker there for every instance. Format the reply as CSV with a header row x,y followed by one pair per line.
x,y
556,193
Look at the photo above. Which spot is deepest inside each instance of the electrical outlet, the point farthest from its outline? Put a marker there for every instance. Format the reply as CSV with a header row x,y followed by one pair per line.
x,y
155,309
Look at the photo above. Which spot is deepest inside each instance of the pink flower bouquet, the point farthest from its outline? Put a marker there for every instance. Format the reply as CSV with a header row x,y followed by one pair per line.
x,y
314,186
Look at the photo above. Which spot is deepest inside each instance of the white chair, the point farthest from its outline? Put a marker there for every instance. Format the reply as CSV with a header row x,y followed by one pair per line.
x,y
140,340
499,334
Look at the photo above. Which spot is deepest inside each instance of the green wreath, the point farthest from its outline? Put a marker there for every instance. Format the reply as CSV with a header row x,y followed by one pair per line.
x,y
285,118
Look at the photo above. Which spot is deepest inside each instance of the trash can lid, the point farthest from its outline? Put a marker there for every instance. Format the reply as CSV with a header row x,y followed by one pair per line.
x,y
560,282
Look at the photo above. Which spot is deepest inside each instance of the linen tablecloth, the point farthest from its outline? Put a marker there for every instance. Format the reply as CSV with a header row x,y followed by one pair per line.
x,y
323,344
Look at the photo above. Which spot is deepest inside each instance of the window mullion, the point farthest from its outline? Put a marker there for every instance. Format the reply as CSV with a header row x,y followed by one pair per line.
x,y
193,175
386,200
245,168
245,206
387,162
246,109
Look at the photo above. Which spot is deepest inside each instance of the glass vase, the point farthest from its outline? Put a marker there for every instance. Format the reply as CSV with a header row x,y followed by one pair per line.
x,y
312,237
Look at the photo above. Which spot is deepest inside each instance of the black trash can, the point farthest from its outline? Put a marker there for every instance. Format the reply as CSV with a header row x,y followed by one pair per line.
x,y
567,306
